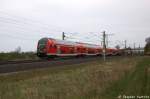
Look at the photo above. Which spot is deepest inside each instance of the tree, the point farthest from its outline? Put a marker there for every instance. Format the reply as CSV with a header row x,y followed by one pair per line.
x,y
147,40
18,49
147,46
117,47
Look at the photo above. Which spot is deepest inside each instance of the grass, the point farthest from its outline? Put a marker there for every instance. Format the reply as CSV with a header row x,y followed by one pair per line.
x,y
17,56
93,80
135,83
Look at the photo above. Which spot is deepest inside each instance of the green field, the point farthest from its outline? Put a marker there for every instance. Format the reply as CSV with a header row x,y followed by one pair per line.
x,y
18,56
92,80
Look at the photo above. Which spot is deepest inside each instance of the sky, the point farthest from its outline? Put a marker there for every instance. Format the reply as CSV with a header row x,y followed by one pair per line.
x,y
24,22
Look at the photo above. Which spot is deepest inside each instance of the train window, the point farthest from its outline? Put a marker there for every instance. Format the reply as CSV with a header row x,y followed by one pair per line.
x,y
55,46
43,41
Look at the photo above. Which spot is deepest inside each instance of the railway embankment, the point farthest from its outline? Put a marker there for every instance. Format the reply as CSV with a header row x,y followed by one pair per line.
x,y
91,80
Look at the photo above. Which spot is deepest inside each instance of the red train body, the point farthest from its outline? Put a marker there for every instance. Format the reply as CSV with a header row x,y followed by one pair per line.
x,y
48,47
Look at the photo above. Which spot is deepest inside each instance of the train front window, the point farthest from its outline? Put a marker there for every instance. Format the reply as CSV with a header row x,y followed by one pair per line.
x,y
42,43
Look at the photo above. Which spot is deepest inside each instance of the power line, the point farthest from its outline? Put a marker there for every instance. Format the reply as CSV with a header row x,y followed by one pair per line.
x,y
9,32
19,31
10,20
19,25
23,30
15,20
16,37
27,20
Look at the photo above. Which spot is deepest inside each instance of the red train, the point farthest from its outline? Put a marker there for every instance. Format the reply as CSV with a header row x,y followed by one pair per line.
x,y
49,47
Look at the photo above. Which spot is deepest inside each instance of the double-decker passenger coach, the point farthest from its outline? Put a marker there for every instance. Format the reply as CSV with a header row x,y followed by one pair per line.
x,y
49,47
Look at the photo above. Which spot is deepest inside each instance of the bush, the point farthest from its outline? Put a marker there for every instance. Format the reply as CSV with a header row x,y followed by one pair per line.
x,y
18,56
147,49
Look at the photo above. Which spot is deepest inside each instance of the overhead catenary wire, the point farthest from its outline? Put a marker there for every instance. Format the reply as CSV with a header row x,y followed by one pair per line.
x,y
17,33
28,21
24,26
89,38
30,26
20,29
21,25
18,37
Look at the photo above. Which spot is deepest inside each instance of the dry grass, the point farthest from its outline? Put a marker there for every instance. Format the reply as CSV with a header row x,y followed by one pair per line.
x,y
82,81
135,83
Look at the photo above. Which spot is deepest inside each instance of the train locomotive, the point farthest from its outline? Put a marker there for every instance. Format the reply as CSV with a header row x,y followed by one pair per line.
x,y
50,48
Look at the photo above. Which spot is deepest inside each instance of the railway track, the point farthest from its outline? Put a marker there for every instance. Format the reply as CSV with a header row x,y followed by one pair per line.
x,y
19,62
15,66
29,61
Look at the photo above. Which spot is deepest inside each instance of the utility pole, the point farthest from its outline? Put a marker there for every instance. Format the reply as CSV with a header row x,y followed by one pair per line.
x,y
134,51
134,46
104,45
139,49
63,36
125,42
106,40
